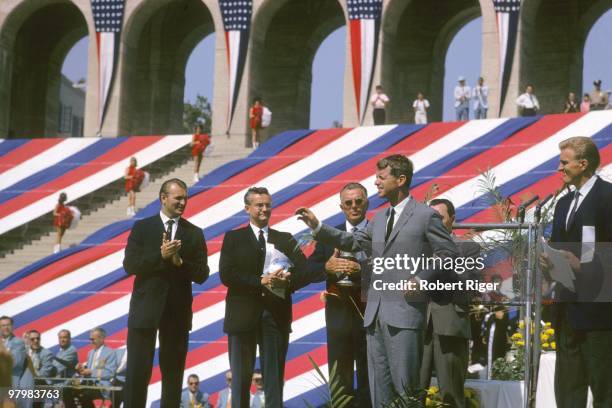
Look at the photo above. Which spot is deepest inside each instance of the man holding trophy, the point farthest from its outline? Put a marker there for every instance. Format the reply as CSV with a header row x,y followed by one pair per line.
x,y
344,305
260,267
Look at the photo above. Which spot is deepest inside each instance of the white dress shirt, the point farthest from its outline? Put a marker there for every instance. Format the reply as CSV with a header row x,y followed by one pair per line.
x,y
528,101
399,208
481,97
462,95
361,226
584,190
165,220
379,100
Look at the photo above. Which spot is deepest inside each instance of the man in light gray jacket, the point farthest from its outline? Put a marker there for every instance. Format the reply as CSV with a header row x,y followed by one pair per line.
x,y
395,311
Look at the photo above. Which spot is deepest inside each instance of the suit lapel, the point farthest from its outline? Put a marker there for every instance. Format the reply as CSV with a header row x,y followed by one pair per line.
x,y
403,219
250,236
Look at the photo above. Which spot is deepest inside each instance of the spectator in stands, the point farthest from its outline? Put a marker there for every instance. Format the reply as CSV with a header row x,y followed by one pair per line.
x,y
131,186
528,103
225,395
480,96
599,98
379,102
258,399
42,358
571,105
62,218
462,99
192,397
21,375
585,105
420,106
66,358
255,114
199,142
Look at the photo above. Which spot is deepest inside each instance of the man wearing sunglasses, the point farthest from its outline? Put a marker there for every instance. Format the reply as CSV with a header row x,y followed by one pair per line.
x,y
346,341
192,397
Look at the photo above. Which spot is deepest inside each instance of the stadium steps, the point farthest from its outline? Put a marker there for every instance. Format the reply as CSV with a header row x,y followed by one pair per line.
x,y
106,206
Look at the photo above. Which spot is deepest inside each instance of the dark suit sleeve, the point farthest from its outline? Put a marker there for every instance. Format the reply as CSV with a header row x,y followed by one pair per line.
x,y
141,261
300,275
229,272
316,264
442,246
196,267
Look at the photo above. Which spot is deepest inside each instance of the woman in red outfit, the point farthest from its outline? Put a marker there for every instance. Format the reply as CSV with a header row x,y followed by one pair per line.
x,y
255,114
130,186
199,142
62,216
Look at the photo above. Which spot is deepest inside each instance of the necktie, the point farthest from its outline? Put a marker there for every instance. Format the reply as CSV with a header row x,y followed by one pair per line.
x,y
262,241
170,223
572,216
390,222
354,229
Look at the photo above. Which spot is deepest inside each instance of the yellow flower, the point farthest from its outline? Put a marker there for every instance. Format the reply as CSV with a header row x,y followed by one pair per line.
x,y
520,343
550,332
553,345
521,324
545,345
428,402
547,324
544,337
517,336
432,390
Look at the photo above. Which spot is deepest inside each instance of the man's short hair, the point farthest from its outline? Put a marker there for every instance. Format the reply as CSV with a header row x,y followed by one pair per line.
x,y
33,331
584,148
449,205
399,164
64,331
355,186
5,317
166,184
254,190
193,376
100,330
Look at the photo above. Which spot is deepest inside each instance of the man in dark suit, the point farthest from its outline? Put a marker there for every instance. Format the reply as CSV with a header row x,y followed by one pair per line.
x,y
166,253
395,315
346,342
448,322
582,228
253,313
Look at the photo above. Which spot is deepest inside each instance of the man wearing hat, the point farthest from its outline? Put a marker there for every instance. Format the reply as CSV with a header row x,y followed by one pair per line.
x,y
599,98
462,99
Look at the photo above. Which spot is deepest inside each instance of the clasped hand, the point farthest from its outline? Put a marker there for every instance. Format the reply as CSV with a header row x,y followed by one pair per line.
x,y
335,265
276,279
170,250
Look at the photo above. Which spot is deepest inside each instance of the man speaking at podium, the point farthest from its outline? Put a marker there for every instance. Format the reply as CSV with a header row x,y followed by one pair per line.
x,y
166,253
582,227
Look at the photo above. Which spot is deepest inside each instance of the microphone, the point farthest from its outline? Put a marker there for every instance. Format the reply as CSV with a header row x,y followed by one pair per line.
x,y
523,206
538,209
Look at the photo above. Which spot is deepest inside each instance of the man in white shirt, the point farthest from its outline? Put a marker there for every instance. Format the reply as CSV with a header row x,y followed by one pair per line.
x,y
379,102
420,107
462,100
480,96
528,103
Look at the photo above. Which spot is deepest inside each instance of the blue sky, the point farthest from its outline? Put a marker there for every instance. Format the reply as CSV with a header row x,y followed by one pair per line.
x,y
463,58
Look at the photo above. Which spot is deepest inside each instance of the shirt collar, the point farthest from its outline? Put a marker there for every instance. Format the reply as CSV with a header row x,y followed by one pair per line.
x,y
256,229
165,218
399,208
586,187
360,226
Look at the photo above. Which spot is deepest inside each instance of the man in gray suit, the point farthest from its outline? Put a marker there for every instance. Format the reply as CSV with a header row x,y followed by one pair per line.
x,y
448,322
66,359
394,316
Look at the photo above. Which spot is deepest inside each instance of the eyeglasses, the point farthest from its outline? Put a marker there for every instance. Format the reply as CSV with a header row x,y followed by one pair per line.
x,y
34,338
91,339
350,203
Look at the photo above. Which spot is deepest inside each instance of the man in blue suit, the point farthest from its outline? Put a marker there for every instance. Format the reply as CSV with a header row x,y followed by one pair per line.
x,y
582,228
66,358
192,397
21,375
225,395
42,358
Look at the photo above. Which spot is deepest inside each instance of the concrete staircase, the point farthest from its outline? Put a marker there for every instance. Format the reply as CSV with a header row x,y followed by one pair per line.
x,y
225,150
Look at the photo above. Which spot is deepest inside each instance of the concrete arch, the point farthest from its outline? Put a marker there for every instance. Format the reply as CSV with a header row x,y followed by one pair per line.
x,y
285,37
553,35
415,38
32,49
158,38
